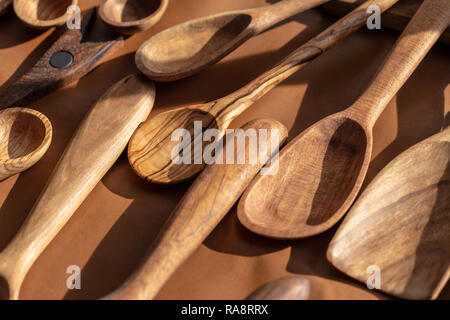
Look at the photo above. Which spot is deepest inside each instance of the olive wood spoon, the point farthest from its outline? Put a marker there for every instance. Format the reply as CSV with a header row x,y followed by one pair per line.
x,y
324,167
96,145
401,224
5,5
150,149
286,288
190,47
206,202
25,136
42,14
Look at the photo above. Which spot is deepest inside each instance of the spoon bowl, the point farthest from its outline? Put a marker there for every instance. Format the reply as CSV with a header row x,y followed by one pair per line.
x,y
131,16
42,14
25,136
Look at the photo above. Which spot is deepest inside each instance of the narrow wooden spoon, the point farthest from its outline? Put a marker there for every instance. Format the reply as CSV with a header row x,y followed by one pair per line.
x,y
131,16
25,136
324,167
41,14
206,202
188,48
94,148
5,5
401,224
150,149
286,288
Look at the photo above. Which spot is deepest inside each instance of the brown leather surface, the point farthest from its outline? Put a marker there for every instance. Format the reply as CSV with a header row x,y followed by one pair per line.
x,y
110,232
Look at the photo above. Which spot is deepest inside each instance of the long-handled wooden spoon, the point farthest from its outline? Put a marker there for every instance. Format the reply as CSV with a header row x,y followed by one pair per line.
x,y
5,5
206,202
324,167
190,47
286,288
41,14
94,148
150,149
401,224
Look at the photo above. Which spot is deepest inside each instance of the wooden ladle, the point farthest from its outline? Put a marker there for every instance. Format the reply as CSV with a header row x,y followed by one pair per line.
x,y
151,147
322,170
188,48
5,5
286,288
41,14
25,136
131,16
401,224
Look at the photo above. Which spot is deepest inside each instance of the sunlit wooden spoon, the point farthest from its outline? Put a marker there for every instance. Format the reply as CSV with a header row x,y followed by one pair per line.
x,y
286,288
5,5
322,170
150,149
131,16
190,47
25,136
401,224
41,14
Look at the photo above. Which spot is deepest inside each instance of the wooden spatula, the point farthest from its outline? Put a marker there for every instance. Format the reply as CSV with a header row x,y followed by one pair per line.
x,y
286,288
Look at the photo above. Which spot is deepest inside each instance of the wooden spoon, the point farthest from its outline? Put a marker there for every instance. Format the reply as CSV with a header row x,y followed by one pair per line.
x,y
286,288
206,202
150,149
131,16
5,5
188,48
94,148
401,223
324,167
41,14
25,136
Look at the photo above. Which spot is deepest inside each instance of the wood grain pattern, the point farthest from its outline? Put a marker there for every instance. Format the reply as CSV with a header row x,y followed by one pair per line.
x,y
286,288
41,14
190,47
25,136
131,16
396,18
5,5
206,202
42,78
324,167
401,223
94,148
150,149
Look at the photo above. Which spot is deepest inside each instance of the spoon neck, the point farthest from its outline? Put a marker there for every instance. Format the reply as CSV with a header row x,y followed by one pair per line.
x,y
12,274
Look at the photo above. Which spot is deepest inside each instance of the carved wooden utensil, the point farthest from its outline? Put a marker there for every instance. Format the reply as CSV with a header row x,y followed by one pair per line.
x,y
150,149
5,5
41,14
401,223
190,47
131,16
94,148
286,288
206,202
67,60
322,169
25,136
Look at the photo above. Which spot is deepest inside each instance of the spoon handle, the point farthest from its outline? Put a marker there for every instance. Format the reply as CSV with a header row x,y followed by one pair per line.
x,y
94,148
206,202
425,28
231,106
268,16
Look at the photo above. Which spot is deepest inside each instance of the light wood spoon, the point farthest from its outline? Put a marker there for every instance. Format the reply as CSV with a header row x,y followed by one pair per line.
x,y
190,47
25,136
131,16
401,224
203,206
5,5
42,14
94,148
324,167
150,149
286,288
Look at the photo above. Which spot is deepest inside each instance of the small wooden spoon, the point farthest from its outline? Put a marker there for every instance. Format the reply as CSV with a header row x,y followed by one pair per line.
x,y
96,145
188,48
286,288
41,14
25,136
401,223
150,149
322,170
131,16
5,5
203,206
